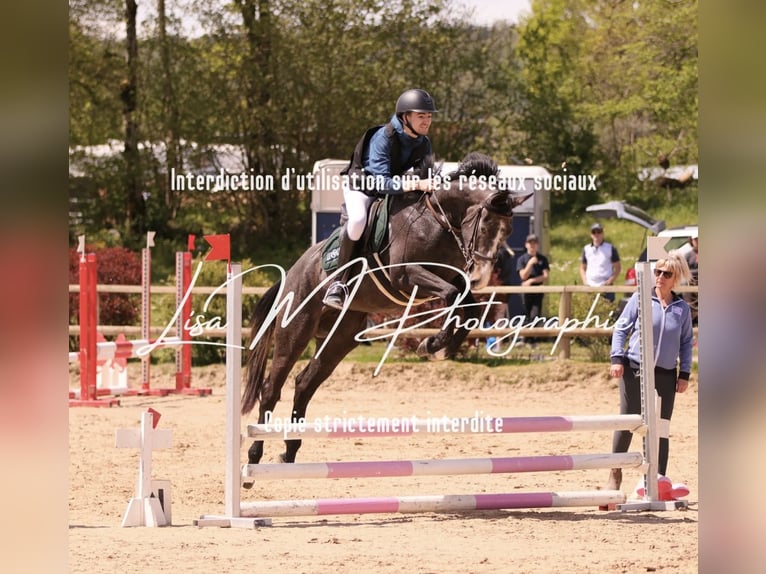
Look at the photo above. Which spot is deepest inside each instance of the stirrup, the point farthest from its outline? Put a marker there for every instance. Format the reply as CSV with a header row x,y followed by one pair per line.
x,y
336,295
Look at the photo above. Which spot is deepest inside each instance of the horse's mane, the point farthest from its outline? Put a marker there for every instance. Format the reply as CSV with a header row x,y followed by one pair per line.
x,y
427,167
476,164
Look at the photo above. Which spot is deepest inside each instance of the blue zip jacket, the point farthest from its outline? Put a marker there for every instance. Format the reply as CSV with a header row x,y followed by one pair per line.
x,y
672,334
376,158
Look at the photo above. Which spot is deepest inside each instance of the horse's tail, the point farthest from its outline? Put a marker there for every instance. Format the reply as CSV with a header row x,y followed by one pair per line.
x,y
255,369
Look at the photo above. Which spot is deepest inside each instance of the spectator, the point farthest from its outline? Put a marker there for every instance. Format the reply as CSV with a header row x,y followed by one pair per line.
x,y
533,269
692,259
600,262
672,333
503,275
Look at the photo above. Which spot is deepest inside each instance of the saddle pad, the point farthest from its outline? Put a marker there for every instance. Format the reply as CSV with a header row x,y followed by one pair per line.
x,y
331,250
374,236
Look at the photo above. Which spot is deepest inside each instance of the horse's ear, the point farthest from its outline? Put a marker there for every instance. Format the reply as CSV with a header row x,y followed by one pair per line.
x,y
503,202
500,202
517,200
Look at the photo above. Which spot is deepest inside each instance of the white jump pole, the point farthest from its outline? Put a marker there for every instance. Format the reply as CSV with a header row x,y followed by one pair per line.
x,y
232,478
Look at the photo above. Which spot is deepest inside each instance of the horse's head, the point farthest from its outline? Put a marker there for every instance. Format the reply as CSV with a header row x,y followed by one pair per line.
x,y
493,220
486,224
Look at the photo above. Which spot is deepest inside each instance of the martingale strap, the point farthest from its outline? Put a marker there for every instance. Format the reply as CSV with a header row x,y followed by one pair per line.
x,y
390,296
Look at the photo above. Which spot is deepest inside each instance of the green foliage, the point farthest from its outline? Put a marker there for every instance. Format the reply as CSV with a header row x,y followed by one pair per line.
x,y
596,87
608,88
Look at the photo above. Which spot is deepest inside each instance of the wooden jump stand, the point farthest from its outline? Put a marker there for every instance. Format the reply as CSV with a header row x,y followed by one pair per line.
x,y
151,505
112,368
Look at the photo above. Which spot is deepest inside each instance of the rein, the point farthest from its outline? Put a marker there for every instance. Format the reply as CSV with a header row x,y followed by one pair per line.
x,y
469,252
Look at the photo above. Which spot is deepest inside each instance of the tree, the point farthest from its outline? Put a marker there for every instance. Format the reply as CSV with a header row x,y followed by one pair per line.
x,y
639,70
135,216
607,86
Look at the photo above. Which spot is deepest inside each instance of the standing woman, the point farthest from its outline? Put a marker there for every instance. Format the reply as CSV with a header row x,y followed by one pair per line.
x,y
672,335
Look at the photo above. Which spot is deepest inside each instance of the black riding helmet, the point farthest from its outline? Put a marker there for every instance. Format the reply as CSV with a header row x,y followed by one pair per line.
x,y
415,100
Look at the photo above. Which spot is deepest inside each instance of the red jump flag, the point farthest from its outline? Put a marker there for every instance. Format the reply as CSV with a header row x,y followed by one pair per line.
x,y
190,242
155,417
220,247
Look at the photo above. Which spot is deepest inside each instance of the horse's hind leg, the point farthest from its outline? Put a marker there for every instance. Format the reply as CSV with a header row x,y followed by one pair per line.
x,y
320,368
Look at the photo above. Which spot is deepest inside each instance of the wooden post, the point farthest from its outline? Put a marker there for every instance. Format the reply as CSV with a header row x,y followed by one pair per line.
x,y
145,509
565,310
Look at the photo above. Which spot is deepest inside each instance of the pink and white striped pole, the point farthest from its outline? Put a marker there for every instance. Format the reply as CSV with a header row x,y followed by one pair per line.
x,y
439,467
379,428
434,503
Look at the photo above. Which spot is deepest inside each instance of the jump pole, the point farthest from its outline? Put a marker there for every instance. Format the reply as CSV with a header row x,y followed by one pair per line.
x,y
413,426
254,514
441,467
433,503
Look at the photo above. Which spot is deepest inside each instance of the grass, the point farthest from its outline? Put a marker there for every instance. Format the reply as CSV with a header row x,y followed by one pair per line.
x,y
472,352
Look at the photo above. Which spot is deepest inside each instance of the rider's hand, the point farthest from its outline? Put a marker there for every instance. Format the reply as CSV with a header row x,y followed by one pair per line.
x,y
428,185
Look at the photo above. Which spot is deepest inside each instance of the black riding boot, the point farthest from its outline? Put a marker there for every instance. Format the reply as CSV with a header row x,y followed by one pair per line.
x,y
337,292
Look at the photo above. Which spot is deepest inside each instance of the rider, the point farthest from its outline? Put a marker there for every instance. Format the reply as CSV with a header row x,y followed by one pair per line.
x,y
386,154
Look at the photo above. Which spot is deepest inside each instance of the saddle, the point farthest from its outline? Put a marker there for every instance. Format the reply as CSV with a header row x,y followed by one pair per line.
x,y
373,240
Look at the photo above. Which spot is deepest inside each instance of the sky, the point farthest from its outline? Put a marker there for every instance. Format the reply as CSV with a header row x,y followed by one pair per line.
x,y
487,11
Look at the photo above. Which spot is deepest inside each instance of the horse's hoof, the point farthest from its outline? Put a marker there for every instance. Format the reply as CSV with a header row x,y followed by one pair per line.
x,y
247,481
439,355
423,352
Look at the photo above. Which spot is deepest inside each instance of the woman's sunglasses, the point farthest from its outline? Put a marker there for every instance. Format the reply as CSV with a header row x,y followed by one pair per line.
x,y
667,274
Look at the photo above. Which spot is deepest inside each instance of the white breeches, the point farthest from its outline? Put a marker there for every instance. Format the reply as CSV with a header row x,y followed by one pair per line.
x,y
357,204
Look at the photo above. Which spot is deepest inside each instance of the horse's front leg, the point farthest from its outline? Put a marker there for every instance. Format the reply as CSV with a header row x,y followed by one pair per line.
x,y
448,340
439,346
471,314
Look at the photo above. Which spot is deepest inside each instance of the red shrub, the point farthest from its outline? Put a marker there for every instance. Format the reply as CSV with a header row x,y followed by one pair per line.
x,y
114,266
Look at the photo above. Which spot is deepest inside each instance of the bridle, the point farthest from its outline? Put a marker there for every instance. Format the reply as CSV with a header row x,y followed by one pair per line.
x,y
469,252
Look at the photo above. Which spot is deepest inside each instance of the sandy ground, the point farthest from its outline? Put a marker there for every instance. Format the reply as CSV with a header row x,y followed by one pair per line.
x,y
574,540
